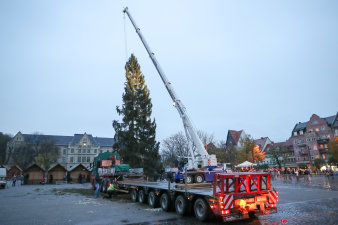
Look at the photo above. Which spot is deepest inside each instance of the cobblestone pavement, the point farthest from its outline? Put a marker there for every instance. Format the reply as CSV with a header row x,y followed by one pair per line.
x,y
300,203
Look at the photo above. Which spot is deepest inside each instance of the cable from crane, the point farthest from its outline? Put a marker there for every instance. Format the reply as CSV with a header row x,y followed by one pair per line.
x,y
125,36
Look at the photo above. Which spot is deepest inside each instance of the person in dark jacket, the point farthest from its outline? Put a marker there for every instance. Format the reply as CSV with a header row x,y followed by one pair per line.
x,y
97,185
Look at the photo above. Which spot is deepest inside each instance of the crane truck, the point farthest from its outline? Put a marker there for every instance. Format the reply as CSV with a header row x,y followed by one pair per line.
x,y
230,196
200,164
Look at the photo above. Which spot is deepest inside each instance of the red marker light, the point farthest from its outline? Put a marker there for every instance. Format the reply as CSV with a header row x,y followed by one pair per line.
x,y
225,212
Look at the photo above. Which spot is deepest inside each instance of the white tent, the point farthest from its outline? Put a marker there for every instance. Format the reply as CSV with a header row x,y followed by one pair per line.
x,y
246,164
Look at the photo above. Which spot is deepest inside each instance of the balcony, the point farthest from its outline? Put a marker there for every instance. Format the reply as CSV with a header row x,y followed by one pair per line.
x,y
302,144
303,152
323,140
323,150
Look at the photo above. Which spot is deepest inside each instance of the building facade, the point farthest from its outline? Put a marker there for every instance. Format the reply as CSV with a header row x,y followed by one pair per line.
x,y
79,148
310,139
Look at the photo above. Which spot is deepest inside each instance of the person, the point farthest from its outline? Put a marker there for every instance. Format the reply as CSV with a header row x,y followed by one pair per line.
x,y
97,185
21,178
51,178
26,178
80,178
14,180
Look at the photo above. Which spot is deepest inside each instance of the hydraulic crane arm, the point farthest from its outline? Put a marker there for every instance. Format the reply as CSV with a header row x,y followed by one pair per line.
x,y
189,128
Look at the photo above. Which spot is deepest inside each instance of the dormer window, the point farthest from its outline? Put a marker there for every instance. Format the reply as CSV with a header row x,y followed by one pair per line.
x,y
315,122
295,133
301,132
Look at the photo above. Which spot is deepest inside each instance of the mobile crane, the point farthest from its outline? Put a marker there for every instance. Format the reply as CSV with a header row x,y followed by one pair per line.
x,y
230,196
199,159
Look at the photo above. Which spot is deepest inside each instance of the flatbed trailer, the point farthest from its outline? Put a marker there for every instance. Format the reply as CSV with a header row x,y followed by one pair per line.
x,y
231,196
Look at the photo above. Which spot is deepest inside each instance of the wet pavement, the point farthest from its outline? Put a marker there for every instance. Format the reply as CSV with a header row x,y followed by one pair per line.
x,y
299,203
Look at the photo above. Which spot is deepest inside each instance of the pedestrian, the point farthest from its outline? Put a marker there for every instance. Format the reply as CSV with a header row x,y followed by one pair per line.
x,y
51,178
80,178
14,180
21,178
97,185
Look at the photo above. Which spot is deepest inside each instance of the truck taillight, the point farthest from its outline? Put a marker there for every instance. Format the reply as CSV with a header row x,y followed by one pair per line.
x,y
225,212
272,205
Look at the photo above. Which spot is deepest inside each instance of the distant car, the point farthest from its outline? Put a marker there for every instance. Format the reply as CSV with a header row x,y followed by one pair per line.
x,y
3,181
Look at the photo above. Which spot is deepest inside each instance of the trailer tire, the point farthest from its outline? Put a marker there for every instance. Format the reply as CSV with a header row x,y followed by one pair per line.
x,y
199,178
201,209
165,202
189,179
134,196
152,200
141,196
181,205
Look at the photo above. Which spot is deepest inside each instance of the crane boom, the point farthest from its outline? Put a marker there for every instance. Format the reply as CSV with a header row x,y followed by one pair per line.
x,y
200,156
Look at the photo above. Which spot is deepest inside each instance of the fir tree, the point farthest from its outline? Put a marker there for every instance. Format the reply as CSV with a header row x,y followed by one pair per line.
x,y
135,135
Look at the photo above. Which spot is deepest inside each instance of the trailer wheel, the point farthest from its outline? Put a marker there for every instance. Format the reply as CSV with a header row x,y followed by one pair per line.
x,y
152,200
181,205
199,178
189,179
201,209
141,196
134,195
165,202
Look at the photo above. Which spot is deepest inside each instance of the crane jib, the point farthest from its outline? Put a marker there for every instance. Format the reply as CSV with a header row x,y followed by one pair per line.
x,y
188,126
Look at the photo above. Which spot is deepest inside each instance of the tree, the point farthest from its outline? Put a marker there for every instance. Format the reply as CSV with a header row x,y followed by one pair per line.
x,y
135,135
173,148
259,156
4,139
319,163
333,151
47,154
36,148
23,155
176,147
205,137
246,151
277,155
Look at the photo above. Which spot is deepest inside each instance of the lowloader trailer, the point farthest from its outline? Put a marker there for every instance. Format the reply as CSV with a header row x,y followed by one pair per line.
x,y
231,196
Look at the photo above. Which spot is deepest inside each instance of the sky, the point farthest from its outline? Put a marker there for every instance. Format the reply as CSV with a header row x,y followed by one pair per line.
x,y
260,66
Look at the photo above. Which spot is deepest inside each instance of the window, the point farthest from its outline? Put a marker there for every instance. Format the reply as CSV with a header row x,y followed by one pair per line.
x,y
323,156
63,159
83,159
315,147
71,159
317,129
100,151
72,150
321,146
95,151
301,132
315,122
79,159
88,150
325,145
295,133
64,151
79,151
310,148
323,127
88,159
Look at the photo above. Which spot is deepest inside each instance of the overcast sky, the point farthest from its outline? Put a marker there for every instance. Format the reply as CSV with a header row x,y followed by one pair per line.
x,y
261,66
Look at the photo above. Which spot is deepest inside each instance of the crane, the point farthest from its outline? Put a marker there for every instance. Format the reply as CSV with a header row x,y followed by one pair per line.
x,y
199,156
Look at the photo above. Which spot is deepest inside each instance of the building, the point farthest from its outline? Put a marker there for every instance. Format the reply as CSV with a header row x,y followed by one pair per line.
x,y
310,139
234,138
79,148
262,143
285,153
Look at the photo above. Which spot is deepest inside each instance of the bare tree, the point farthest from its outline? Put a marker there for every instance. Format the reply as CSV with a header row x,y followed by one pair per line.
x,y
176,147
205,137
173,148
